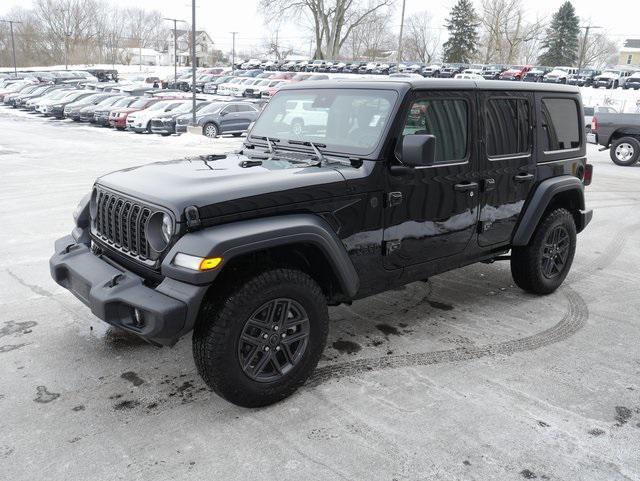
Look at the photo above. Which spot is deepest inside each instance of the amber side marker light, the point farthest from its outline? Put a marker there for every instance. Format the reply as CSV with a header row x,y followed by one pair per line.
x,y
196,263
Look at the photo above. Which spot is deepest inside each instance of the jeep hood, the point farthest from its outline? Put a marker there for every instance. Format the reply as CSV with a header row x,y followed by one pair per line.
x,y
209,180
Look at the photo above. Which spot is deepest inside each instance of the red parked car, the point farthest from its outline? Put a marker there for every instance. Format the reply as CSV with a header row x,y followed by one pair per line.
x,y
515,72
118,117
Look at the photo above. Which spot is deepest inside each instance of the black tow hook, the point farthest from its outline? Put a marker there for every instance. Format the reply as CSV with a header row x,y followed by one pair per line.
x,y
114,280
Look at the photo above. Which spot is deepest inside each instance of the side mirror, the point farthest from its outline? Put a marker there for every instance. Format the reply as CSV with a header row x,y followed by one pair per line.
x,y
418,150
223,113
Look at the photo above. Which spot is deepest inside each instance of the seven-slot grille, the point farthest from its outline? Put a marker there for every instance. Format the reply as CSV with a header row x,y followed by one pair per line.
x,y
122,223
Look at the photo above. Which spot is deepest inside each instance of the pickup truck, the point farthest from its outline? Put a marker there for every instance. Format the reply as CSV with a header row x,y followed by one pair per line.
x,y
621,134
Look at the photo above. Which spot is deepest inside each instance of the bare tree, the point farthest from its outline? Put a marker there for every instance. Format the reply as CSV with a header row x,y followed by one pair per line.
x,y
273,45
421,41
598,50
507,35
332,20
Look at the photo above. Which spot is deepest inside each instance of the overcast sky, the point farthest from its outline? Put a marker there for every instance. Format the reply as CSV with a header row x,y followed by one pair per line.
x,y
620,18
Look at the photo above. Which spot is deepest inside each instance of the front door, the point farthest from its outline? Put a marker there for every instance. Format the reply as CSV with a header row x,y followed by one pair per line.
x,y
432,212
228,118
508,167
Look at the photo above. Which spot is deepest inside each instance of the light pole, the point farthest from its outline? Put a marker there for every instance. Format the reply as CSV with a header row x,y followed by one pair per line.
x,y
233,53
583,48
175,46
400,36
66,50
13,44
193,62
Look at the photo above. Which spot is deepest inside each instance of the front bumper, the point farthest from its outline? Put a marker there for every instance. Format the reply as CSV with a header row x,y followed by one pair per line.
x,y
113,293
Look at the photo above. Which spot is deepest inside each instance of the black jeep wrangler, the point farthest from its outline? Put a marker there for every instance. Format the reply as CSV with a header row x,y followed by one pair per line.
x,y
341,190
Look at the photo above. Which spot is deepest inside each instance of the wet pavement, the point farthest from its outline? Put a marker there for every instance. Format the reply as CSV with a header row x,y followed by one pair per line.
x,y
463,377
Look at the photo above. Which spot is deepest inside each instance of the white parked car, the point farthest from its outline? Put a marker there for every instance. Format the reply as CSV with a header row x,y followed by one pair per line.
x,y
140,121
225,88
257,90
237,90
468,76
559,75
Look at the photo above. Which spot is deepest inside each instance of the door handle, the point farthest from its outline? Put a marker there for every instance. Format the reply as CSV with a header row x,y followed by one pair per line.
x,y
466,186
523,177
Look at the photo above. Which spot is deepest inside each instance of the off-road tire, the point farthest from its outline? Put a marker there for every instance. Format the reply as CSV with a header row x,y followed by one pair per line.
x,y
630,141
527,261
223,319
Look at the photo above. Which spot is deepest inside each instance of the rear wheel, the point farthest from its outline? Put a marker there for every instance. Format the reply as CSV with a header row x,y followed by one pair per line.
x,y
625,151
542,265
259,341
210,130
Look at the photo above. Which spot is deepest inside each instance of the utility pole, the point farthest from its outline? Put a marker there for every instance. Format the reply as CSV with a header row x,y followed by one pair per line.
x,y
233,53
193,61
13,44
175,46
66,50
583,48
400,36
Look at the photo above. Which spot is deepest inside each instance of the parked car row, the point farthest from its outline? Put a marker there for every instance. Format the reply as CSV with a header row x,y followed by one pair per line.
x,y
614,77
133,107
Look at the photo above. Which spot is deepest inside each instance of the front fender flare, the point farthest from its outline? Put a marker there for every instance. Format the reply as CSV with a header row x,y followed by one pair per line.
x,y
243,237
539,202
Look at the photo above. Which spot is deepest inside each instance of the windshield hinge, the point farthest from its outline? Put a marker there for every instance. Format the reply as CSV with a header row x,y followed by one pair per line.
x,y
193,217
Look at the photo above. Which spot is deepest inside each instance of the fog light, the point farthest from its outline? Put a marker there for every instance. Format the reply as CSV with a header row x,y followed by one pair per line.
x,y
139,318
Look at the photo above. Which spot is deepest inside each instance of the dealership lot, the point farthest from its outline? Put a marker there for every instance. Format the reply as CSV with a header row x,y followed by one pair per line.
x,y
462,377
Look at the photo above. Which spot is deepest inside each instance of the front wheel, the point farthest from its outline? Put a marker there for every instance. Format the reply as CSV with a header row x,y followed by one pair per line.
x,y
542,265
625,151
258,341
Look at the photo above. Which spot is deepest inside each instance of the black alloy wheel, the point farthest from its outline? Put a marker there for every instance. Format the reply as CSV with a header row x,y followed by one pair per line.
x,y
273,340
555,252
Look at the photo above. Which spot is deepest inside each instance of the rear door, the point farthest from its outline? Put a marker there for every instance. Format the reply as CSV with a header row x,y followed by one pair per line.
x,y
228,118
508,164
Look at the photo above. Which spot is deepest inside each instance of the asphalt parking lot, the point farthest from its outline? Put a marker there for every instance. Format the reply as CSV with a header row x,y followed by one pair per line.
x,y
464,377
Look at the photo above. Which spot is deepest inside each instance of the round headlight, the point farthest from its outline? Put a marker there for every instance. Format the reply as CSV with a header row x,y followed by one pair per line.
x,y
167,228
160,230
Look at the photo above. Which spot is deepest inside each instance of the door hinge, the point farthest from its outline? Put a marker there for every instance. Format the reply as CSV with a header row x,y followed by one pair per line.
x,y
394,199
488,184
390,246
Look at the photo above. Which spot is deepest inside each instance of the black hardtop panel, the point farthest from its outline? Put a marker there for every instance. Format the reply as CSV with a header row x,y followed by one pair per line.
x,y
433,84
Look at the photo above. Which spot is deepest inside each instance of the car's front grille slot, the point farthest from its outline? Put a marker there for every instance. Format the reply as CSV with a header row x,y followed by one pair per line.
x,y
122,223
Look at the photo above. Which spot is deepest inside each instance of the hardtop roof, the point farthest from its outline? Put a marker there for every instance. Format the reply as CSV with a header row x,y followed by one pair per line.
x,y
403,84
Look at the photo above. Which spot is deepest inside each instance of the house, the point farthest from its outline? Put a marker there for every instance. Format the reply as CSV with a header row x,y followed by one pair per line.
x,y
205,53
141,56
630,52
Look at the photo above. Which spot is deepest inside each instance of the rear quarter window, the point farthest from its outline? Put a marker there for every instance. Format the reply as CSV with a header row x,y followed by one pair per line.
x,y
560,124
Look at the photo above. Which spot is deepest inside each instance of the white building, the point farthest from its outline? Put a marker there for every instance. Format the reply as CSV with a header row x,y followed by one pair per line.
x,y
204,48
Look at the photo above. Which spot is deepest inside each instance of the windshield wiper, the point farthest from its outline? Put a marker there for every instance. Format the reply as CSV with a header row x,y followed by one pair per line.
x,y
271,142
322,159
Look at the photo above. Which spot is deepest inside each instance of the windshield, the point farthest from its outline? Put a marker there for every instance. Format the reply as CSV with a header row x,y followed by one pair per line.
x,y
212,108
138,104
343,120
182,109
109,101
123,102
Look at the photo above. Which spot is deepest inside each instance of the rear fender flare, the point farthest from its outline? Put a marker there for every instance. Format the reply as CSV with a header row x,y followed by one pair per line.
x,y
540,200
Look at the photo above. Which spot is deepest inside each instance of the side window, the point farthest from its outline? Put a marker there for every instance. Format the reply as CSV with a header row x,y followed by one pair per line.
x,y
560,124
229,109
447,120
507,130
245,108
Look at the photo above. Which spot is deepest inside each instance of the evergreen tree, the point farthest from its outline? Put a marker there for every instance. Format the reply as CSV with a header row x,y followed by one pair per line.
x,y
462,24
561,42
